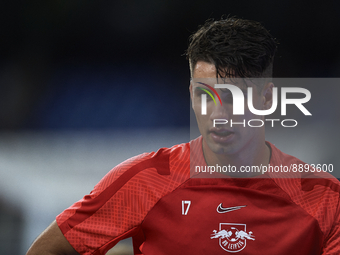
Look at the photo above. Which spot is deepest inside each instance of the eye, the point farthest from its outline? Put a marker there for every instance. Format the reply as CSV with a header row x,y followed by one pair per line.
x,y
200,91
227,98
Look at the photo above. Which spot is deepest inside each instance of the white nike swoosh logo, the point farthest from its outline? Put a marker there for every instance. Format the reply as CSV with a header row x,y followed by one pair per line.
x,y
220,209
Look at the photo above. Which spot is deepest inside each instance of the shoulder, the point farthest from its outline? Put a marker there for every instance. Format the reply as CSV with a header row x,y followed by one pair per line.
x,y
299,168
126,194
164,165
315,191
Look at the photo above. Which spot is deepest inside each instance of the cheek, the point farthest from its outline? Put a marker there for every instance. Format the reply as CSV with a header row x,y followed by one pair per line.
x,y
202,119
257,104
257,101
196,106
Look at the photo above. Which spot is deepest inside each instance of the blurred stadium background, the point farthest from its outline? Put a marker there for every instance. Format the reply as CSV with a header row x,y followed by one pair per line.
x,y
86,84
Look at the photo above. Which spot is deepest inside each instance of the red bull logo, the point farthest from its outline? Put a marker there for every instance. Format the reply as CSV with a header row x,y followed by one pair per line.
x,y
232,237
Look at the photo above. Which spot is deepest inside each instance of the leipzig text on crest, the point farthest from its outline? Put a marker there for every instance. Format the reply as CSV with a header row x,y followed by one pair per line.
x,y
232,236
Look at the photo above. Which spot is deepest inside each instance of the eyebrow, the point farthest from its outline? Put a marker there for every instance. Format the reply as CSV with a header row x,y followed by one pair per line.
x,y
201,88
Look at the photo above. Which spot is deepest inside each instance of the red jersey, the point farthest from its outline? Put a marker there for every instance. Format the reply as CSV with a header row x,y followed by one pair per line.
x,y
152,199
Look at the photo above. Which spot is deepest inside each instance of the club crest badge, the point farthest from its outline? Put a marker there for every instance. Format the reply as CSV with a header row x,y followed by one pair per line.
x,y
232,237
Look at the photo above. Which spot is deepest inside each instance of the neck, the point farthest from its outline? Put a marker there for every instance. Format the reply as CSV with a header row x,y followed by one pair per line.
x,y
249,157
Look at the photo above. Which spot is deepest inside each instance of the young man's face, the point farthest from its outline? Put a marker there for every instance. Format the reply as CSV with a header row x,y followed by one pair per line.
x,y
226,139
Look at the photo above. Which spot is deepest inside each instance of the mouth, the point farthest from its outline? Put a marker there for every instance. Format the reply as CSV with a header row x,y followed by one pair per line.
x,y
221,135
222,132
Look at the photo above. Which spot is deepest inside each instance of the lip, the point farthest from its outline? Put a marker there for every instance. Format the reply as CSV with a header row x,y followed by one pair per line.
x,y
221,135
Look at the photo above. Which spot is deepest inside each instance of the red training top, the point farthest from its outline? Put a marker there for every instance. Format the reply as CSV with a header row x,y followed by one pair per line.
x,y
152,199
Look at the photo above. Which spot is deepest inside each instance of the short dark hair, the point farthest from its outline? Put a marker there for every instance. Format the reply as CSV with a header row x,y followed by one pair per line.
x,y
237,48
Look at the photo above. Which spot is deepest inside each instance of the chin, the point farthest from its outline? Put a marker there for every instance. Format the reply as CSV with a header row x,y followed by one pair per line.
x,y
220,149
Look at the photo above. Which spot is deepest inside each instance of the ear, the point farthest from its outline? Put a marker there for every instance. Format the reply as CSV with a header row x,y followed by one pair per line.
x,y
191,92
267,95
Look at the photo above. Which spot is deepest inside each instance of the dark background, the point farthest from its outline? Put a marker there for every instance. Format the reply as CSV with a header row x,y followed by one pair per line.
x,y
120,64
112,65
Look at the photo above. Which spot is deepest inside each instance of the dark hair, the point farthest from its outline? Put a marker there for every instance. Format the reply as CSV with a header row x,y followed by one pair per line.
x,y
237,48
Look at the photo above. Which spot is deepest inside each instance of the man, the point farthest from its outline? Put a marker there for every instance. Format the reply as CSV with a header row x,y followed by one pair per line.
x,y
153,199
